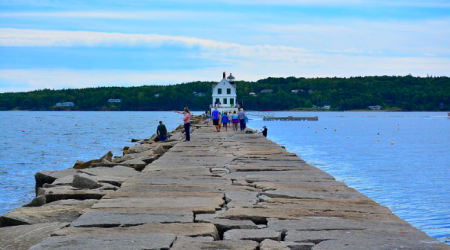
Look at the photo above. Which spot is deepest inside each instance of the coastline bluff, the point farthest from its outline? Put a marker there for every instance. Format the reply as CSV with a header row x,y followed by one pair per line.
x,y
227,190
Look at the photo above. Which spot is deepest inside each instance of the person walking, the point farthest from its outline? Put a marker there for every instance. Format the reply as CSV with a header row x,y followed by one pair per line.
x,y
225,121
162,131
215,117
235,120
241,117
187,122
208,118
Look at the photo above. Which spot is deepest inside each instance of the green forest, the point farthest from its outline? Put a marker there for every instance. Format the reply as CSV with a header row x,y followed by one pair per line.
x,y
354,93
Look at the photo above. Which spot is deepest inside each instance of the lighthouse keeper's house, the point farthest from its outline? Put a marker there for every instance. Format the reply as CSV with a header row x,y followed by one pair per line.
x,y
224,94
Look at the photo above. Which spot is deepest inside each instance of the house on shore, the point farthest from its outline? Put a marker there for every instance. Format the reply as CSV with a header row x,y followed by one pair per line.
x,y
376,107
324,107
267,91
65,104
114,100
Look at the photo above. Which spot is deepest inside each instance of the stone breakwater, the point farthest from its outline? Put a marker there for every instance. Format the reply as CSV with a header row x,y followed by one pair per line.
x,y
222,190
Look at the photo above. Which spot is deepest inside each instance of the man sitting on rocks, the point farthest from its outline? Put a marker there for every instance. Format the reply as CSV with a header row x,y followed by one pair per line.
x,y
162,131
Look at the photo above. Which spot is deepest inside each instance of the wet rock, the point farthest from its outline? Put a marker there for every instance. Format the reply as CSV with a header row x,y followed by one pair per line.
x,y
84,181
78,164
26,236
125,150
252,234
37,201
107,157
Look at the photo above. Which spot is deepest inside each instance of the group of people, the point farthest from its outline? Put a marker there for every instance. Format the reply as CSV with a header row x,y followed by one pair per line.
x,y
224,118
220,119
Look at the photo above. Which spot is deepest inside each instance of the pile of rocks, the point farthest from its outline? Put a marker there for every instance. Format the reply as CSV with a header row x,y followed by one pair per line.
x,y
62,196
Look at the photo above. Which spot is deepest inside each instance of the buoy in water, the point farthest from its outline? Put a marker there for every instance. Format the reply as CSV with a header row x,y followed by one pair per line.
x,y
392,143
378,139
335,130
316,131
23,131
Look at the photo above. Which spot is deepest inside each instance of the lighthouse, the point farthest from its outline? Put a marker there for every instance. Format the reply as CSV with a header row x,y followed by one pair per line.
x,y
224,94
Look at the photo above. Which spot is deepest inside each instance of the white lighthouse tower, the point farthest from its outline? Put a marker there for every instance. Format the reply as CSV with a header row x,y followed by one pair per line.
x,y
224,94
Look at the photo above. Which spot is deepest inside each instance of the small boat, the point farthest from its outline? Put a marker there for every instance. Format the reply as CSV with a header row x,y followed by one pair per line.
x,y
448,113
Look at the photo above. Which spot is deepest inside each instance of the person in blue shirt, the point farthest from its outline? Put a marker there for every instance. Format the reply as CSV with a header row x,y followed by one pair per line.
x,y
225,121
215,117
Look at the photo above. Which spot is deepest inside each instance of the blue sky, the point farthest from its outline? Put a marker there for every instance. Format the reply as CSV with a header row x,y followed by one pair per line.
x,y
72,43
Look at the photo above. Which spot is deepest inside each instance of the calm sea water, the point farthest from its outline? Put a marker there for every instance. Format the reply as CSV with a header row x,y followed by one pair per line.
x,y
35,141
411,177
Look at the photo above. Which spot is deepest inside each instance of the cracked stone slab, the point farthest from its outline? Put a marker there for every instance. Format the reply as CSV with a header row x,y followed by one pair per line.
x,y
252,234
113,241
178,229
293,211
51,212
330,223
366,239
225,224
67,192
281,176
187,243
115,219
26,236
317,193
241,198
197,204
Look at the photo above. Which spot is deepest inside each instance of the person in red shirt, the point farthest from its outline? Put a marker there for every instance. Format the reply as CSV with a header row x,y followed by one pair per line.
x,y
187,122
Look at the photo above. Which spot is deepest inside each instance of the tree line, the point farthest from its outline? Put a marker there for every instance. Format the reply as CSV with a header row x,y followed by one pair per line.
x,y
391,92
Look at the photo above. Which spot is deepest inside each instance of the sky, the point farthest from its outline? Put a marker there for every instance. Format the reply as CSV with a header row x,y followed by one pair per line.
x,y
60,44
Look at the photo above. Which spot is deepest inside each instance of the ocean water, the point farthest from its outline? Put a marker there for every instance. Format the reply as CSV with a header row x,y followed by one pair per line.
x,y
35,141
411,177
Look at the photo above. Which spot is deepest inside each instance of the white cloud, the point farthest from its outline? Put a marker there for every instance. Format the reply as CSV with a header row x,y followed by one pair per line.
x,y
328,66
207,48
